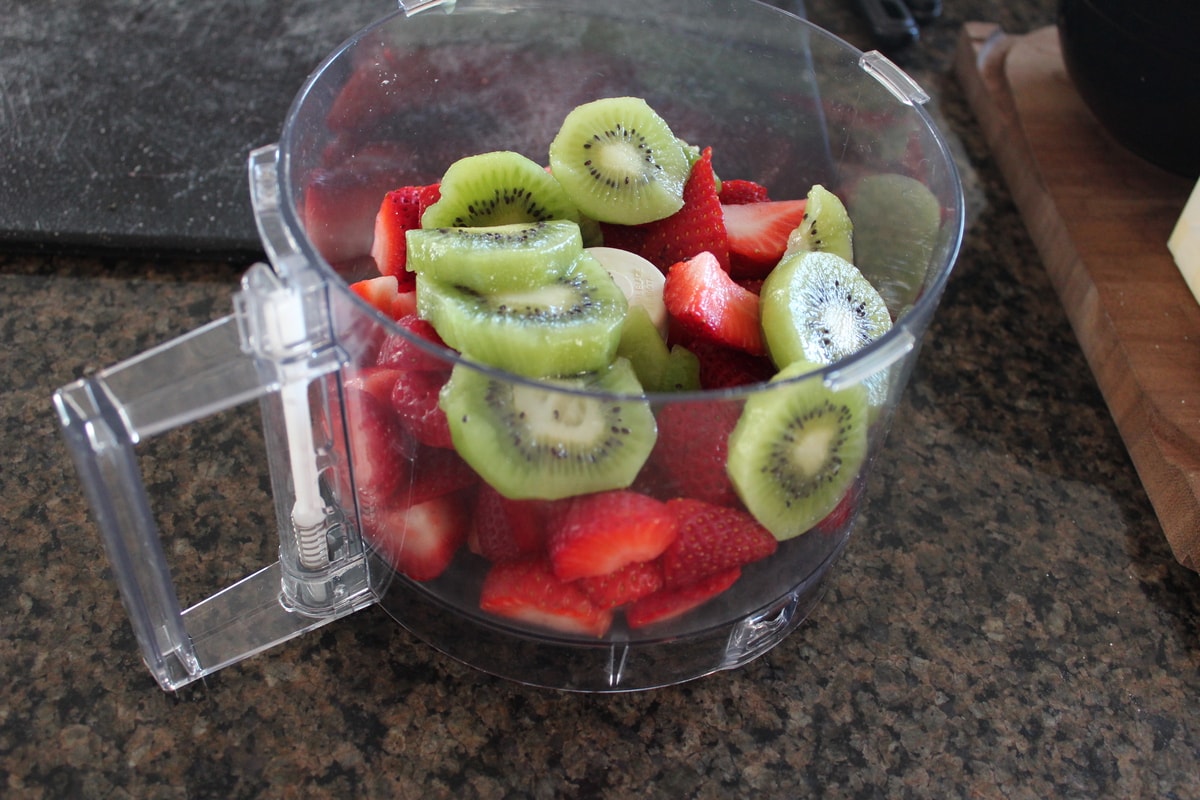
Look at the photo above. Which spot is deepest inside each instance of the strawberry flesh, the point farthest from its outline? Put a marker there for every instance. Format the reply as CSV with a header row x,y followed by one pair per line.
x,y
421,540
705,303
690,452
629,583
600,533
668,603
738,191
529,592
757,234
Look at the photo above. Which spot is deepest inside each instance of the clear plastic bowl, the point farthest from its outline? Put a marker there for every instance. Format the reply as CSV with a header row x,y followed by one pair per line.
x,y
780,102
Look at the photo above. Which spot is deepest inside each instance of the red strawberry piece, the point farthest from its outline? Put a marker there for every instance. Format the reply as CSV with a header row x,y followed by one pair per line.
x,y
420,540
623,237
697,227
380,448
400,351
340,205
399,213
669,603
599,533
504,529
385,296
712,539
690,452
738,192
704,302
723,367
415,400
629,583
757,234
436,471
377,381
528,591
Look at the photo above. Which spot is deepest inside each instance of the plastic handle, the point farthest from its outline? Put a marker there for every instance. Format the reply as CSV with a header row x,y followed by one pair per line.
x,y
272,348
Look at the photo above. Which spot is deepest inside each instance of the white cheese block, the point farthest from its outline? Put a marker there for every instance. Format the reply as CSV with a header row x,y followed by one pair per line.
x,y
1184,242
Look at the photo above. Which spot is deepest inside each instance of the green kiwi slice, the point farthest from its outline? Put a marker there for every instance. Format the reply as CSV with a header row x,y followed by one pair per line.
x,y
496,257
619,162
898,219
817,307
567,325
797,448
497,188
826,227
553,439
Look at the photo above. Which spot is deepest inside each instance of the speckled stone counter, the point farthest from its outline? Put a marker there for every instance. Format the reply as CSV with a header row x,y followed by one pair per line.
x,y
1007,621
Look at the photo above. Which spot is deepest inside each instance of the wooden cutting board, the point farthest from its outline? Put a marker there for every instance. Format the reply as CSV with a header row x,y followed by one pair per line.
x,y
1100,218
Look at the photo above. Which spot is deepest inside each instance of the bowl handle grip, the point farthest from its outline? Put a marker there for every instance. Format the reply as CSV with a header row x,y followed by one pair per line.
x,y
103,417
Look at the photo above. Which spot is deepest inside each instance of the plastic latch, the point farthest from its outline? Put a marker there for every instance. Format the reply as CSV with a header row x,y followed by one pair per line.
x,y
416,6
894,79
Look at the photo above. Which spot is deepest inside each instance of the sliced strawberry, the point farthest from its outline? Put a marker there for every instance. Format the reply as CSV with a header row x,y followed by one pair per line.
x,y
399,213
738,192
712,539
380,448
436,471
705,303
670,603
528,591
690,452
415,399
384,294
631,582
506,530
599,533
697,227
377,381
421,540
402,352
757,234
723,367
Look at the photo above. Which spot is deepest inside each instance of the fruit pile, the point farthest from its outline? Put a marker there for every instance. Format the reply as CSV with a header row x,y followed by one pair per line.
x,y
591,301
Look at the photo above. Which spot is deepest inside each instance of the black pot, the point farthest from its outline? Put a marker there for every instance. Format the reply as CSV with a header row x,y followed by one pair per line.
x,y
1136,64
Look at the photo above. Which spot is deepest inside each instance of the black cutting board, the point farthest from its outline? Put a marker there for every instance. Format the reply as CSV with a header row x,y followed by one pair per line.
x,y
125,125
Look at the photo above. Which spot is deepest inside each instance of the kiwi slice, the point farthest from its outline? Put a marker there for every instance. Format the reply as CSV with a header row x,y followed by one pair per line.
x,y
817,307
826,227
569,324
497,188
552,439
492,258
898,219
619,162
797,448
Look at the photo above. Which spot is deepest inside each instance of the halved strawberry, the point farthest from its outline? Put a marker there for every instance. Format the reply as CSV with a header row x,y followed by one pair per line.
x,y
421,540
399,213
704,302
723,367
506,530
712,539
669,603
402,352
757,234
629,583
690,452
698,226
528,591
385,295
377,381
380,449
437,471
599,533
737,191
414,397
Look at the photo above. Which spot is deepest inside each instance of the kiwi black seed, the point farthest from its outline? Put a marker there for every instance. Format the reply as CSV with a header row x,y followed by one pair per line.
x,y
554,438
619,162
496,257
569,324
797,448
497,188
826,226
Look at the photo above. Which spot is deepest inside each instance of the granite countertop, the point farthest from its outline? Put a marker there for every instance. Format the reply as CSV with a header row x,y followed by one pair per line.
x,y
1008,620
